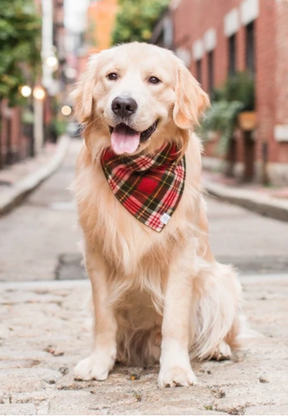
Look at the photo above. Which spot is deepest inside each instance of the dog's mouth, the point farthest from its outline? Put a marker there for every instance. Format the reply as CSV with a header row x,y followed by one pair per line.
x,y
126,140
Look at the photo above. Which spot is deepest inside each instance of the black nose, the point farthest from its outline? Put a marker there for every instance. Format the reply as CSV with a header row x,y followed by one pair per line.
x,y
123,106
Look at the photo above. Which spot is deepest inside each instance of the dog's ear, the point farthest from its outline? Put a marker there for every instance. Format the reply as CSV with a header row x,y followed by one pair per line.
x,y
82,96
191,100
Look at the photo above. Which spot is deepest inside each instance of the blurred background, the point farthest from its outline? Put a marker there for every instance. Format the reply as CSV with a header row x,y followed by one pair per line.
x,y
236,49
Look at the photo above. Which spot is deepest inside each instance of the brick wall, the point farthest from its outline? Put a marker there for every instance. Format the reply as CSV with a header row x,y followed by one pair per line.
x,y
193,18
281,88
265,79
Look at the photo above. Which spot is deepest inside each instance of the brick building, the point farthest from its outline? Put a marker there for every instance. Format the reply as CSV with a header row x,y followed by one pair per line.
x,y
18,136
216,39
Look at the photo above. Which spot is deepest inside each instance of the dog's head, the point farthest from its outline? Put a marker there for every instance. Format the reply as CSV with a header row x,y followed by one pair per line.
x,y
137,93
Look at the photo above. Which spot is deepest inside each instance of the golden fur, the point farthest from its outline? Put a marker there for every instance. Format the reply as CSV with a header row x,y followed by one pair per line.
x,y
157,296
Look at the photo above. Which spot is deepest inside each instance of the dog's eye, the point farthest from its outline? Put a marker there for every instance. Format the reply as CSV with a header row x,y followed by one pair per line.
x,y
112,76
154,80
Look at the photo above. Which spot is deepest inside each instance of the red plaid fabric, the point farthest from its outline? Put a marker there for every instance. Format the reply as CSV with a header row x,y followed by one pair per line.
x,y
148,186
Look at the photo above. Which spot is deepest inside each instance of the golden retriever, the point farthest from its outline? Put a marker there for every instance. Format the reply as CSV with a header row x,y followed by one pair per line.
x,y
158,296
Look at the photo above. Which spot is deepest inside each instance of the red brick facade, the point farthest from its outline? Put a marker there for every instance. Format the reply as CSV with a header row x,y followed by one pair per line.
x,y
191,21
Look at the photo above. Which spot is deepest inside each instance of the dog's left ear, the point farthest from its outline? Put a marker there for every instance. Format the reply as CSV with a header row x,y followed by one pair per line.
x,y
191,100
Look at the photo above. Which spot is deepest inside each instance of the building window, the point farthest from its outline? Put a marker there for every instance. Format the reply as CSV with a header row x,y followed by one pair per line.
x,y
232,55
210,71
250,48
199,70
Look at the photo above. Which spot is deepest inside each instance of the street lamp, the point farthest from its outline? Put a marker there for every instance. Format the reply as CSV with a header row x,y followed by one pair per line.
x,y
66,110
52,62
39,93
25,91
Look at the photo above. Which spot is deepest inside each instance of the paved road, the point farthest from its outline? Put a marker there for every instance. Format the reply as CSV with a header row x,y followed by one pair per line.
x,y
43,336
36,236
253,243
38,240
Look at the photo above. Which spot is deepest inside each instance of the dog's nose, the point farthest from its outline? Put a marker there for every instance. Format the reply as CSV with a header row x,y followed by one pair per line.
x,y
124,106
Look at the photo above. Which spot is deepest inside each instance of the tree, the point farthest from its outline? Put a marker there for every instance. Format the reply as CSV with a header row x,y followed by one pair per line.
x,y
136,19
20,31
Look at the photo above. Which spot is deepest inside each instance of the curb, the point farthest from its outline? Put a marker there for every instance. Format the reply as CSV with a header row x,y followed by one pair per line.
x,y
258,203
16,286
21,189
46,285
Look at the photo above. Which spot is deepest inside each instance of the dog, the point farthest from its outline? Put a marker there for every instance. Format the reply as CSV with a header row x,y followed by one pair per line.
x,y
159,295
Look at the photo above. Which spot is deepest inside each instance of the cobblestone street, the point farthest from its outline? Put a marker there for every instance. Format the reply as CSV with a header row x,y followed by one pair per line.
x,y
45,331
43,336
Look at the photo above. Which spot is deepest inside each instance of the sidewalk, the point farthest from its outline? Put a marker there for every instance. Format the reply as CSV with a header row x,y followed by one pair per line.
x,y
270,202
43,336
17,180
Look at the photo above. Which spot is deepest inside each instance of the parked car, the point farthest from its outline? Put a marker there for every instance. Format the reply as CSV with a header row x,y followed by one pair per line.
x,y
74,129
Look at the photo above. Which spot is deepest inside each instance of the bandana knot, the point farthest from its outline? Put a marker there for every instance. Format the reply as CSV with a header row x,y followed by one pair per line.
x,y
148,186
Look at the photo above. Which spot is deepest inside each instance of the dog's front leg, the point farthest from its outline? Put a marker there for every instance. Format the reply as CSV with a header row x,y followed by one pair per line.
x,y
102,358
175,368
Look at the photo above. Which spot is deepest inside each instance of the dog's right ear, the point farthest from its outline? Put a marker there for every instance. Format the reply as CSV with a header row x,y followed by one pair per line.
x,y
82,96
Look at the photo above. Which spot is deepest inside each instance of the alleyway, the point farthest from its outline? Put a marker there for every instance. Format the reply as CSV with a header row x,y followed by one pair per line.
x,y
39,239
45,324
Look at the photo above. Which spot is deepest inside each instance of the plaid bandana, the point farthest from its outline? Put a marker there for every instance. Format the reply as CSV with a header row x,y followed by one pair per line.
x,y
148,186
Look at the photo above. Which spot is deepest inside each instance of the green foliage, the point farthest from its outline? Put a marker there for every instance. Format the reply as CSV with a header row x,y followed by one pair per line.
x,y
20,30
58,126
236,95
136,19
221,118
27,117
239,87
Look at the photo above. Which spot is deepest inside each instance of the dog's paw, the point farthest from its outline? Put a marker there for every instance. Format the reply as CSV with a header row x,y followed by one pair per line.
x,y
94,367
223,352
176,376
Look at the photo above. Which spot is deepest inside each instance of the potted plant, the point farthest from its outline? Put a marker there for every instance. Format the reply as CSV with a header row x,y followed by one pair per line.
x,y
56,128
232,107
221,118
240,87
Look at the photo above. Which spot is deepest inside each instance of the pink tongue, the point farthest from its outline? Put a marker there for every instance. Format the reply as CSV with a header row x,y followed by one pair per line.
x,y
124,139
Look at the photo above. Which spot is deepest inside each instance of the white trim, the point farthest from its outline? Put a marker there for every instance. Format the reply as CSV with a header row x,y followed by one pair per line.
x,y
281,132
231,22
175,4
249,11
184,55
210,39
198,49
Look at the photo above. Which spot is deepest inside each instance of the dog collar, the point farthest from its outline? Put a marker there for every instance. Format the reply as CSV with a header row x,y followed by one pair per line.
x,y
148,186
